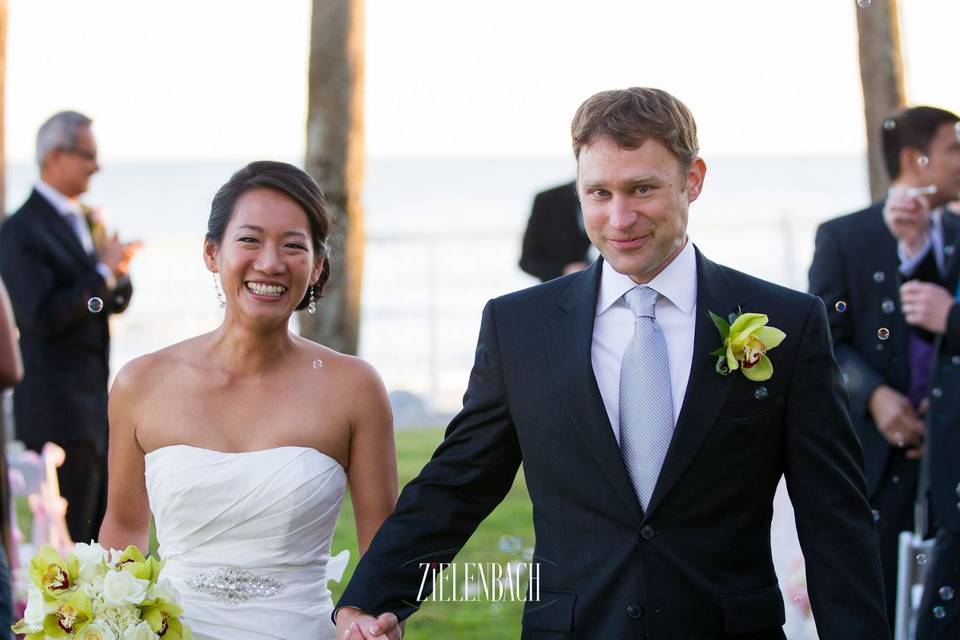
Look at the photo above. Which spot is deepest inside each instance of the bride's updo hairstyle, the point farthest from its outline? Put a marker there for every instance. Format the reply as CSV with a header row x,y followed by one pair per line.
x,y
292,182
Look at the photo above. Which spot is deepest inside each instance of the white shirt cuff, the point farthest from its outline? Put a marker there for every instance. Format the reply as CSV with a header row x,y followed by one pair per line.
x,y
107,275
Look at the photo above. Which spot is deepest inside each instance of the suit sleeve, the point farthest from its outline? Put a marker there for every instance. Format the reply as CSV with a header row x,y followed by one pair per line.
x,y
824,474
121,295
41,304
467,477
539,256
828,281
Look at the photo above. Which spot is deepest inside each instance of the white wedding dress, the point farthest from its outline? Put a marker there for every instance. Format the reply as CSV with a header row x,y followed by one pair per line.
x,y
246,538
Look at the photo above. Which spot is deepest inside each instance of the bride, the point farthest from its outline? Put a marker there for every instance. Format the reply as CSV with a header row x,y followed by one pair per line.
x,y
241,440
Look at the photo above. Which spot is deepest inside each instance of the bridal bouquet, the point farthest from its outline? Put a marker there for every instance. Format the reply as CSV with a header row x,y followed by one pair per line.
x,y
95,594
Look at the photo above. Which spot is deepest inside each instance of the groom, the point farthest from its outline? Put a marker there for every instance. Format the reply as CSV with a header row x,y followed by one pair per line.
x,y
651,473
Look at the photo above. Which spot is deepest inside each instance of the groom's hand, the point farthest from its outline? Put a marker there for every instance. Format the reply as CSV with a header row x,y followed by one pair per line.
x,y
895,418
355,624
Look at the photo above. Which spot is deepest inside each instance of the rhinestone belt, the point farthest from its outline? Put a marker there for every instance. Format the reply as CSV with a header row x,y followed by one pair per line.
x,y
233,585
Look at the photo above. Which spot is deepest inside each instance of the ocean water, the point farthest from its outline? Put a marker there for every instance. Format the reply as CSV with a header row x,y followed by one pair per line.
x,y
443,236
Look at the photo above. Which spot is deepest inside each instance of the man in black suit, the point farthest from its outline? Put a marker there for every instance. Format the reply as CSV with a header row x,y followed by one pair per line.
x,y
555,242
65,276
651,463
858,265
923,222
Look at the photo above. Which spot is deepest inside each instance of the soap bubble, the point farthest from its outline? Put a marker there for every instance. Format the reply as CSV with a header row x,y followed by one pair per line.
x,y
883,333
95,305
841,306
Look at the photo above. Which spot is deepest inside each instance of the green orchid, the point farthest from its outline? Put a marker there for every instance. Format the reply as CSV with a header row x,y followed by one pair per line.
x,y
70,618
147,569
53,575
21,628
746,341
164,618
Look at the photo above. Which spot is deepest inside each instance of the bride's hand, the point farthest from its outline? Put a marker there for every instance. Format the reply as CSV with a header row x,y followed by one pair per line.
x,y
362,626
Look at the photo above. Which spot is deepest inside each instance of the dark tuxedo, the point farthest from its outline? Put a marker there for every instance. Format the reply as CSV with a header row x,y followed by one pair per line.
x,y
63,395
856,262
555,236
943,449
697,563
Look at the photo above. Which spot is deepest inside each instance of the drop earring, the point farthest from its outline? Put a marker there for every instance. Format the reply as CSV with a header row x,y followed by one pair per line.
x,y
221,299
312,306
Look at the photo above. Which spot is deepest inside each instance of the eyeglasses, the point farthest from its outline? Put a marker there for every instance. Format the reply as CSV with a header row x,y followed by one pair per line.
x,y
86,154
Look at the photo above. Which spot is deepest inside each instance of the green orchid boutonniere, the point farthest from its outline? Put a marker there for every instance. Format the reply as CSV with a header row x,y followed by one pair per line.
x,y
746,340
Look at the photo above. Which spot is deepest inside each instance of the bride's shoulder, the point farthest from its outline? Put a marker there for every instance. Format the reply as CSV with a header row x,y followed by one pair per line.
x,y
146,371
350,370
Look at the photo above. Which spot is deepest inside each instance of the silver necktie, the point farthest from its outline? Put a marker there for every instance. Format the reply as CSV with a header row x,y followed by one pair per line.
x,y
646,399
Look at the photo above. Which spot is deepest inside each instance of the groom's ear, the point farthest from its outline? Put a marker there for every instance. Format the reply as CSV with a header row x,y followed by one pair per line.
x,y
696,172
210,254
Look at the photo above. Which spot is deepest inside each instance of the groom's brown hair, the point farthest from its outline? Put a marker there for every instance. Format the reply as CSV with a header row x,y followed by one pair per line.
x,y
632,116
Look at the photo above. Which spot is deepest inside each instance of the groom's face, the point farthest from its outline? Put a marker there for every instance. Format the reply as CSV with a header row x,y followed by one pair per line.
x,y
635,203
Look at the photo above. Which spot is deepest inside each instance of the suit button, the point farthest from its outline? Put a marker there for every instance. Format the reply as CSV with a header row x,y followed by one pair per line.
x,y
647,532
634,612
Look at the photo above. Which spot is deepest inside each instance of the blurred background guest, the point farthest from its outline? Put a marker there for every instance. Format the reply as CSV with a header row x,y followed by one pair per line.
x,y
11,372
11,365
555,243
858,265
66,275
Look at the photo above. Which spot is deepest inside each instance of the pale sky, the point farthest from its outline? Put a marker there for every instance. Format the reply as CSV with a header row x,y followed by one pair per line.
x,y
226,79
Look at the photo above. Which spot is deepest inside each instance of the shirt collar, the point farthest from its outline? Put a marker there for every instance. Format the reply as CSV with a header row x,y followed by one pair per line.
x,y
60,202
677,282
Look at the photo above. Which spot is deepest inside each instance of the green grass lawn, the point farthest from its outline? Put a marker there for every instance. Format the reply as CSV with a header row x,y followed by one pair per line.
x,y
464,621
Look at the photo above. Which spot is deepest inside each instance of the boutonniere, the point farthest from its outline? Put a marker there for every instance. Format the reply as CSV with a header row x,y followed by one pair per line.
x,y
746,340
97,223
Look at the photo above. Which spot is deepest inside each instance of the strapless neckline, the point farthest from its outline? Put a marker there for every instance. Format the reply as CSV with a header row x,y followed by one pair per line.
x,y
242,453
250,532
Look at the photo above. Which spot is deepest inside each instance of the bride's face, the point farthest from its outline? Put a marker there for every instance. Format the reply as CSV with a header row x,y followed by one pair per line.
x,y
266,259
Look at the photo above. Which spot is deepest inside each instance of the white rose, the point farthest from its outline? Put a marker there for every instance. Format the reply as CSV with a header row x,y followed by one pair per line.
x,y
35,611
96,631
92,587
140,632
92,559
122,587
164,590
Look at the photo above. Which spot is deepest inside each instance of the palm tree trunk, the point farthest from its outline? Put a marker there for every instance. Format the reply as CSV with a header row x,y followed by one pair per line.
x,y
881,74
335,159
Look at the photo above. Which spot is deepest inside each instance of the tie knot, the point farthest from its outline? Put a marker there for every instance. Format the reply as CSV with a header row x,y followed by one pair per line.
x,y
642,301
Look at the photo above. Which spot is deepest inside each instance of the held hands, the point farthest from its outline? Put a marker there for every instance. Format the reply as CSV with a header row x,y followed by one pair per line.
x,y
896,420
354,624
907,216
926,305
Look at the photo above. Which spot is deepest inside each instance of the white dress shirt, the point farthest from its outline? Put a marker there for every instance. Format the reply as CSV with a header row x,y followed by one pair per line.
x,y
72,212
934,241
613,328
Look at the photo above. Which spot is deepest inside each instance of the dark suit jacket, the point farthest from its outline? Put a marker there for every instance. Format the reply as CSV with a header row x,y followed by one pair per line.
x,y
943,419
63,395
554,237
856,261
697,563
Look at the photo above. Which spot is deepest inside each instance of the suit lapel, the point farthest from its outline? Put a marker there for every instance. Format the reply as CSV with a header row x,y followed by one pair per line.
x,y
59,228
707,390
951,238
570,335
